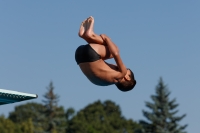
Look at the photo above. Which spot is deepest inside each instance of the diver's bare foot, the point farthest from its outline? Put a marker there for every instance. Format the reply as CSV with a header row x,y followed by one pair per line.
x,y
90,25
82,28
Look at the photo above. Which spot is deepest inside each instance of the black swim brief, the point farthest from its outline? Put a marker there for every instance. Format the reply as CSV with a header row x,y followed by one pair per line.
x,y
85,53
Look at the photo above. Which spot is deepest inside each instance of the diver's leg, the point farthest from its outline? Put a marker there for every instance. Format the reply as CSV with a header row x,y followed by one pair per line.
x,y
96,42
87,32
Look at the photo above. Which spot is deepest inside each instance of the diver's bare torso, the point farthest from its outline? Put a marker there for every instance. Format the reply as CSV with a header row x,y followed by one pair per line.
x,y
99,72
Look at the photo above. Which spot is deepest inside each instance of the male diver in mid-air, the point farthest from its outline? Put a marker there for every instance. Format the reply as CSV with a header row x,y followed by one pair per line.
x,y
91,59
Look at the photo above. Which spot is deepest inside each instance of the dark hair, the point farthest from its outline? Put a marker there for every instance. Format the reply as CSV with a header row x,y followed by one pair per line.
x,y
127,85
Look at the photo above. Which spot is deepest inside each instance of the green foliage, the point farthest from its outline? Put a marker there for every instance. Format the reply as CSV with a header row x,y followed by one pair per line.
x,y
27,126
26,111
7,126
70,113
29,111
100,118
162,117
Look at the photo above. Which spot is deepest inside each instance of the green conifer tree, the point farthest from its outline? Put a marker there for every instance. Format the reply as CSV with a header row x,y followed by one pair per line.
x,y
55,115
162,117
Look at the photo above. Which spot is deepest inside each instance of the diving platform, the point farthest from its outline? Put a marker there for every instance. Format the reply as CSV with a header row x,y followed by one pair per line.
x,y
9,96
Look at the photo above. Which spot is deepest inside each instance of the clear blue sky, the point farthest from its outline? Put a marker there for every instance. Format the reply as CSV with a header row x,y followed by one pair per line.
x,y
156,38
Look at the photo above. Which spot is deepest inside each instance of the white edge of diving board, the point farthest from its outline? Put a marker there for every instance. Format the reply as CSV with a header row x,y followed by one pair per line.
x,y
18,93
